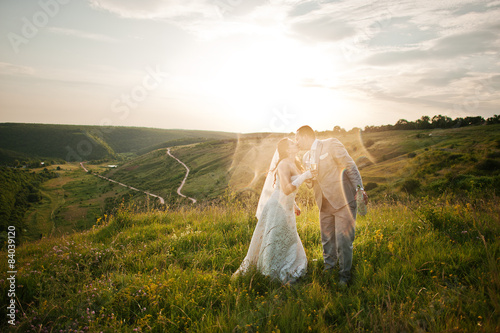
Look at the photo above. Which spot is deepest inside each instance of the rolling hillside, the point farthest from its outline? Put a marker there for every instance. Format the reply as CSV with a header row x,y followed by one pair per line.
x,y
391,163
77,143
425,256
417,267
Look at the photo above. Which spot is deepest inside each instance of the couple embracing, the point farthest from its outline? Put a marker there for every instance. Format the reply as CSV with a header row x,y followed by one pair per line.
x,y
276,249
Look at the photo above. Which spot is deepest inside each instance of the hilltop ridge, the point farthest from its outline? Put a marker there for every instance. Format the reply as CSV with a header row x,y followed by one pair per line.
x,y
80,142
464,162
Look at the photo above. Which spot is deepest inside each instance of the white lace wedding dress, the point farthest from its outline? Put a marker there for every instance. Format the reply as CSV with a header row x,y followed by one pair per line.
x,y
275,249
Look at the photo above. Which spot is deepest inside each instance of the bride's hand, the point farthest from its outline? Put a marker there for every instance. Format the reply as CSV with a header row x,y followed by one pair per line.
x,y
297,210
300,179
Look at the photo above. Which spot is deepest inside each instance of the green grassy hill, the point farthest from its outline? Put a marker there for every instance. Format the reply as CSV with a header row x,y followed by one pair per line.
x,y
55,201
77,142
431,162
425,262
394,164
418,267
215,166
415,162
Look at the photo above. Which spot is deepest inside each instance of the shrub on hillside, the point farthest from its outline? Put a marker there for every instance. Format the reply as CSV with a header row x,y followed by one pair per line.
x,y
469,185
369,143
489,165
495,154
411,186
370,186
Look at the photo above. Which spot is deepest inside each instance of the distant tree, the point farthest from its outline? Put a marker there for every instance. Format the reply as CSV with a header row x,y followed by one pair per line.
x,y
441,121
337,130
424,122
493,120
472,121
355,130
438,121
369,129
459,122
403,124
468,121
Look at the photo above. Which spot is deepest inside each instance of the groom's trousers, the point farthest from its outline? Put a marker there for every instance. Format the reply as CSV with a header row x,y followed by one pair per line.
x,y
337,236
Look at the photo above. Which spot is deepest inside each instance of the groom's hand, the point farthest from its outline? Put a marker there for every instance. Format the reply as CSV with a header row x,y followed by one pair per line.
x,y
314,174
365,197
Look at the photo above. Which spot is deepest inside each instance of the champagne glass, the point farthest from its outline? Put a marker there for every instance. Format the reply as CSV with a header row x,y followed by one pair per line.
x,y
314,170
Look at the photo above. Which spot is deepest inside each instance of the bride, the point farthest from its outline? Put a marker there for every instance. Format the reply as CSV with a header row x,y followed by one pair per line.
x,y
275,249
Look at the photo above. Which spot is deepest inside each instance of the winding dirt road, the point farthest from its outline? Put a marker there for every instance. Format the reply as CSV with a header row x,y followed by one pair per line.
x,y
162,201
185,177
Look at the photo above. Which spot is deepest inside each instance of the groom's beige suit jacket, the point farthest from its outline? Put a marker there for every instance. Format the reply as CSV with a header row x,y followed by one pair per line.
x,y
338,175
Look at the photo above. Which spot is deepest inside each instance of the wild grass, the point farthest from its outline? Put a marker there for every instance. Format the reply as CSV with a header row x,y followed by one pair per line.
x,y
427,266
71,202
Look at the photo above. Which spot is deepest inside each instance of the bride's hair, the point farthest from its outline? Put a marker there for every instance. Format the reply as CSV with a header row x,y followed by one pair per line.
x,y
306,131
283,145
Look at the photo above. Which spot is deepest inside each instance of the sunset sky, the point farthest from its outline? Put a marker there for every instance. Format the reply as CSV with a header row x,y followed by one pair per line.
x,y
247,65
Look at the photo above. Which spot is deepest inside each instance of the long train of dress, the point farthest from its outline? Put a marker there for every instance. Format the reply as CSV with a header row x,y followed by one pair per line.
x,y
276,249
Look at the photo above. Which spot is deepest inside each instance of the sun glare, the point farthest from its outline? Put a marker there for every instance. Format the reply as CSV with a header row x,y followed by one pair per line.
x,y
245,84
272,70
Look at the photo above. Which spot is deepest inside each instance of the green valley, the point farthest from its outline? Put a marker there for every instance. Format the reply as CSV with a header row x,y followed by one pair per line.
x,y
92,255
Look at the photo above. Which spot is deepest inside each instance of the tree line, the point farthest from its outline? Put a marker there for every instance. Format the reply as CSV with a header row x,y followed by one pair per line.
x,y
20,189
439,121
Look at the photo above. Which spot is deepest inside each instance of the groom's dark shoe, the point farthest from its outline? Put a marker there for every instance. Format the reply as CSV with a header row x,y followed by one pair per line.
x,y
343,283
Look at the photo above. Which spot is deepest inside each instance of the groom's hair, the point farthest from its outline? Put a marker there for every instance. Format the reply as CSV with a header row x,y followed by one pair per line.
x,y
306,131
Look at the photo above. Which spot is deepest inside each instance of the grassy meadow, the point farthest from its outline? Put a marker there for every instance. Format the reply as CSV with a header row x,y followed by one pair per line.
x,y
71,202
416,162
419,266
79,142
93,256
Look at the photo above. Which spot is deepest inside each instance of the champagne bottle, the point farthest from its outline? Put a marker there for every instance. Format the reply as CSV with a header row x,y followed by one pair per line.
x,y
360,201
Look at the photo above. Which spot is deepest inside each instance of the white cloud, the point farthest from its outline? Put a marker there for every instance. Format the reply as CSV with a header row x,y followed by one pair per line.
x,y
440,77
12,69
154,9
81,34
493,4
450,47
206,19
394,56
323,29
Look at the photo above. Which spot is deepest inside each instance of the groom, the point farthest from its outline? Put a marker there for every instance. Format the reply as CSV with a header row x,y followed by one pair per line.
x,y
335,181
